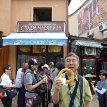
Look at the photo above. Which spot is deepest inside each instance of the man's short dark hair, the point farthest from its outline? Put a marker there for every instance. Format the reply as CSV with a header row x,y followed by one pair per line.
x,y
72,54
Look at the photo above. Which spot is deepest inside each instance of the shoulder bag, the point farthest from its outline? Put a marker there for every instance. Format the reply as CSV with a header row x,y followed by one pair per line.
x,y
2,92
11,93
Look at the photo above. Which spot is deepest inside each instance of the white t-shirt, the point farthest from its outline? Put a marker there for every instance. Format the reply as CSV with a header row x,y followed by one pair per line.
x,y
5,80
19,78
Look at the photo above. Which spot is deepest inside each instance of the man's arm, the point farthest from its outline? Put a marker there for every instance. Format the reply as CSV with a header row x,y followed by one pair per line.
x,y
56,94
88,94
88,104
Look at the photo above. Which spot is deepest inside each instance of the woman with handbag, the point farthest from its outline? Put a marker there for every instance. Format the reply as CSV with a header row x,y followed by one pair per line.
x,y
6,82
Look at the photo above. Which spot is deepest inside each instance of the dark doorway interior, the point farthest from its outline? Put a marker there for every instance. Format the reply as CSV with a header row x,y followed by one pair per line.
x,y
42,14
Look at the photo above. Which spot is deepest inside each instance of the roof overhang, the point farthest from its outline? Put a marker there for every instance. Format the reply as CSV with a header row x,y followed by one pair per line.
x,y
58,38
87,43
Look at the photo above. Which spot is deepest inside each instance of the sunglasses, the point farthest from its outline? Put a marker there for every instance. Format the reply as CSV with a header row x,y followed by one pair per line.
x,y
102,74
9,69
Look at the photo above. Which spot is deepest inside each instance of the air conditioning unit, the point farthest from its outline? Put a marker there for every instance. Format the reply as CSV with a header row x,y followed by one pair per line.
x,y
104,34
102,26
90,51
90,33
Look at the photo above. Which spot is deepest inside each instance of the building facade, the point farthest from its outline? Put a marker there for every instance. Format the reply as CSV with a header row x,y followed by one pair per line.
x,y
88,30
50,12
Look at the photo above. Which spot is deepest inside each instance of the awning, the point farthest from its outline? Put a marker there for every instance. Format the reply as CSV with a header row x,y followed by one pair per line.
x,y
87,43
59,39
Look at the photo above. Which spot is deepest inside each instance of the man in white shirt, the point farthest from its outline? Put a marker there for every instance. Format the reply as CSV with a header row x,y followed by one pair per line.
x,y
19,78
20,85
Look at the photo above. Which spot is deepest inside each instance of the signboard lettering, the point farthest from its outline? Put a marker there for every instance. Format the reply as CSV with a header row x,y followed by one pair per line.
x,y
26,26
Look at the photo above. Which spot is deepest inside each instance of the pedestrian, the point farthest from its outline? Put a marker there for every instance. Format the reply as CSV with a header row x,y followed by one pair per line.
x,y
46,97
51,66
59,66
6,82
31,84
75,94
20,85
101,88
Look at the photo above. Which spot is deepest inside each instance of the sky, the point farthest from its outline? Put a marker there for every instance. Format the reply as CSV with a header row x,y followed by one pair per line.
x,y
74,5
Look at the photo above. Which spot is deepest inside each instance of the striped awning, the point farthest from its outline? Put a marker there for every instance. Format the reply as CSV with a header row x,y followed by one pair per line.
x,y
55,38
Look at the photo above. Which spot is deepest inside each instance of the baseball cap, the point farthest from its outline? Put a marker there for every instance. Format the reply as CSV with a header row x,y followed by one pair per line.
x,y
103,72
32,62
45,66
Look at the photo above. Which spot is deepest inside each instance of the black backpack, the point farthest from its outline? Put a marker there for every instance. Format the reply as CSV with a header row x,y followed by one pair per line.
x,y
41,88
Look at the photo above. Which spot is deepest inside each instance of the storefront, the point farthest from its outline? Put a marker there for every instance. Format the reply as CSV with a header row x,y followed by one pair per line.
x,y
42,29
43,41
92,53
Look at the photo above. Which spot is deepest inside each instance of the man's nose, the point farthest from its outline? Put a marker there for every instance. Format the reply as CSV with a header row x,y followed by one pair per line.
x,y
71,62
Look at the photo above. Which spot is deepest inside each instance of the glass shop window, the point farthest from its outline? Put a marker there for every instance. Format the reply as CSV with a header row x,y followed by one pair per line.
x,y
25,48
89,67
54,49
39,49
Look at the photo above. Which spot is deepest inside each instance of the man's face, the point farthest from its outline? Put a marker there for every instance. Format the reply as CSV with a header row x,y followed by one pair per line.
x,y
72,63
25,66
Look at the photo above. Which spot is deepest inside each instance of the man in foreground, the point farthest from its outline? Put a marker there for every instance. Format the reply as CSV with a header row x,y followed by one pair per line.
x,y
75,94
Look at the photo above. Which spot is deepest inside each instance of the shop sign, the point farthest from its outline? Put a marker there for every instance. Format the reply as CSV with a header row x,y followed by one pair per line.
x,y
32,27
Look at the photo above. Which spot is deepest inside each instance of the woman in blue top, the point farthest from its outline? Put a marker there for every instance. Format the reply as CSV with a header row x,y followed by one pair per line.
x,y
31,83
101,89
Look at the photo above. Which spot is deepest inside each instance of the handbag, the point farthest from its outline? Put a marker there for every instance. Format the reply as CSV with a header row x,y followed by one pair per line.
x,y
2,92
37,101
11,93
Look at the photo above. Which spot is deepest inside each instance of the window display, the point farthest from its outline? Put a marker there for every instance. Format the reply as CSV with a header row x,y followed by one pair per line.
x,y
39,49
89,66
24,48
54,49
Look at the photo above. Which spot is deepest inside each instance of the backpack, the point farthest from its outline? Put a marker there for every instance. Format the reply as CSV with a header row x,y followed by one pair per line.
x,y
41,88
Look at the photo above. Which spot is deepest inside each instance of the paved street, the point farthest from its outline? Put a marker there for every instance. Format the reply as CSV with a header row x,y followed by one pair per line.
x,y
94,102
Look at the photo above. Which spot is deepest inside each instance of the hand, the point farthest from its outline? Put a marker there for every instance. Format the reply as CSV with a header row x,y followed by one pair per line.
x,y
44,80
93,82
13,86
58,84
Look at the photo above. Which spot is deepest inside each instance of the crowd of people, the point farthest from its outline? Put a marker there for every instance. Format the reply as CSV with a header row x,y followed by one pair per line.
x,y
37,85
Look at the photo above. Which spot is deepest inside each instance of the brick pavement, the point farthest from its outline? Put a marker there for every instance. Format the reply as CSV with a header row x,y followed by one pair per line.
x,y
94,102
